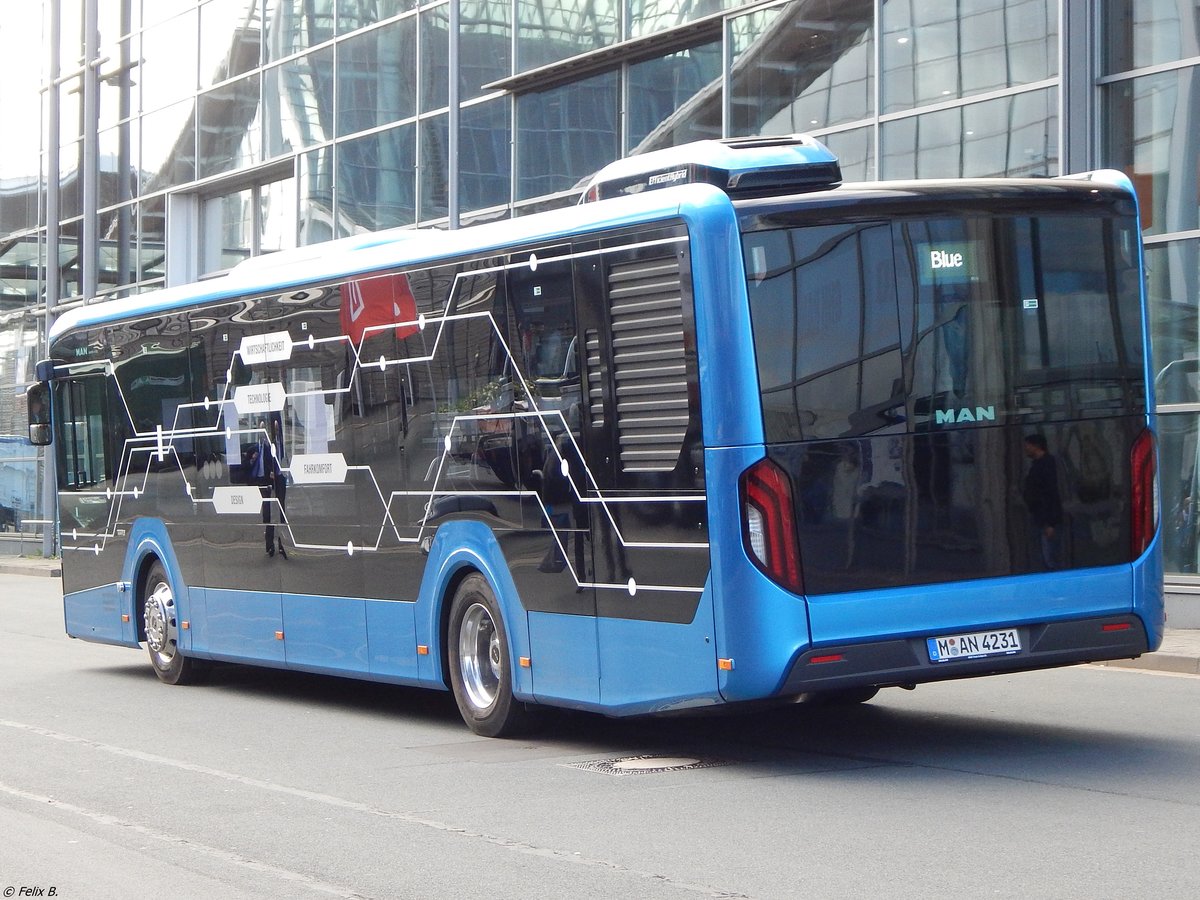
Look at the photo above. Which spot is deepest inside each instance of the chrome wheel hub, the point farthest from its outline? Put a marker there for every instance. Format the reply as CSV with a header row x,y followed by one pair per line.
x,y
481,661
161,633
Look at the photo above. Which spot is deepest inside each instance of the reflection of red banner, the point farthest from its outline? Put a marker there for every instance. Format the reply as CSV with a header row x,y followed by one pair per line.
x,y
371,302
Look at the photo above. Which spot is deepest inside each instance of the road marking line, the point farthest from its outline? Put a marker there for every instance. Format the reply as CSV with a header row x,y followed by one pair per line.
x,y
522,847
225,856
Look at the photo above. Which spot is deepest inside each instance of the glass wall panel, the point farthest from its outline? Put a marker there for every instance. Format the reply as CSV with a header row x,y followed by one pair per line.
x,y
664,95
170,61
22,109
565,134
117,18
119,152
68,259
484,45
855,151
796,68
1011,136
1152,131
152,243
435,58
169,147
70,42
117,262
376,181
118,89
70,101
435,166
1137,33
934,52
652,16
230,127
24,261
1179,453
298,102
355,14
19,208
315,195
231,39
1173,288
20,481
22,103
159,10
484,154
70,163
277,216
377,77
294,26
228,232
552,30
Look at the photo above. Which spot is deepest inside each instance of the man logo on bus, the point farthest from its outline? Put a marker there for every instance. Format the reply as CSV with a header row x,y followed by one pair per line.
x,y
966,414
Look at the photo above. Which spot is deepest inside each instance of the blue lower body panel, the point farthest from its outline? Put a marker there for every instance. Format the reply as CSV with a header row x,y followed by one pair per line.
x,y
657,666
960,606
325,634
565,660
392,640
244,626
96,614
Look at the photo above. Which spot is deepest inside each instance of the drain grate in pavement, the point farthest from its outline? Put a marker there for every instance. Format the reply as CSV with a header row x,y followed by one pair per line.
x,y
648,764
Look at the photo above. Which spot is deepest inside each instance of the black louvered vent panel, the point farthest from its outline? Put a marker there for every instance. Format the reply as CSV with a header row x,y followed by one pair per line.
x,y
595,378
649,365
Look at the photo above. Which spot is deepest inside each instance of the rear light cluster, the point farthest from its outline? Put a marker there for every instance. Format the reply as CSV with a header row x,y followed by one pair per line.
x,y
769,524
1143,463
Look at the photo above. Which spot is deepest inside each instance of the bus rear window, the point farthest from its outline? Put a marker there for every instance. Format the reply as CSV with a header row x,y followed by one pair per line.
x,y
932,323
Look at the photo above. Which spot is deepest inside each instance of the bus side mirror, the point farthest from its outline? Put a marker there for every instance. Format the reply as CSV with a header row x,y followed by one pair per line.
x,y
37,399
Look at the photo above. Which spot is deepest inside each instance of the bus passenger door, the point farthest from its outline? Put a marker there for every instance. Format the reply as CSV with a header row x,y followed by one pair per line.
x,y
87,481
549,558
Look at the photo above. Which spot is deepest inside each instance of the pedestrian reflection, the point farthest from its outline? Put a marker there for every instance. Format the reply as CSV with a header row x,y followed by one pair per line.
x,y
1042,498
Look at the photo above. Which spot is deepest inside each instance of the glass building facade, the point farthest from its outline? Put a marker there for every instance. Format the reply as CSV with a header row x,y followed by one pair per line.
x,y
165,140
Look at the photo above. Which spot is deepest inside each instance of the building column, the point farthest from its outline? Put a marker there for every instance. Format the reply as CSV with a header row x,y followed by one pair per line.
x,y
1077,95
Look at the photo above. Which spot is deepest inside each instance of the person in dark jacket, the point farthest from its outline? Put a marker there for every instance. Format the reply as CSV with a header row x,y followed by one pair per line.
x,y
1042,499
272,483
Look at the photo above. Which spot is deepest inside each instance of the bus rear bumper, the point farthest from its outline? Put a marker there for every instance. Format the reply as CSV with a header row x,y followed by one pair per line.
x,y
907,661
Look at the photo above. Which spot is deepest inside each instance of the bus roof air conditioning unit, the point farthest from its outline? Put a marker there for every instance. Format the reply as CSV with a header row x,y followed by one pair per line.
x,y
742,167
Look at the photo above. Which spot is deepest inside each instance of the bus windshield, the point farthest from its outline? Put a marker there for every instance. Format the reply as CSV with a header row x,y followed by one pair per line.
x,y
943,322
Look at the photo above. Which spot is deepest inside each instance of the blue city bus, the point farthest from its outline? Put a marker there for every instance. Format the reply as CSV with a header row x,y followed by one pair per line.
x,y
728,430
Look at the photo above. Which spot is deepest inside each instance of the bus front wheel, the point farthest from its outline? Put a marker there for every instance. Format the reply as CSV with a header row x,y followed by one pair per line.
x,y
160,621
480,665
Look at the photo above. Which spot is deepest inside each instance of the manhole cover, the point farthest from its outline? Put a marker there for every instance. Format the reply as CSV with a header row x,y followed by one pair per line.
x,y
647,764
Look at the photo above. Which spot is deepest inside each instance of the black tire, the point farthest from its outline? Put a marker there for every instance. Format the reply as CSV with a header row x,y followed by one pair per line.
x,y
160,624
480,666
839,697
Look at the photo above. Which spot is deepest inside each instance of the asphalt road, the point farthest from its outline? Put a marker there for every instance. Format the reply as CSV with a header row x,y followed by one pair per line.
x,y
1079,782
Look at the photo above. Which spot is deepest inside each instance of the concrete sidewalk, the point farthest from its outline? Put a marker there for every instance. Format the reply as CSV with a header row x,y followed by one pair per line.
x,y
1180,651
30,565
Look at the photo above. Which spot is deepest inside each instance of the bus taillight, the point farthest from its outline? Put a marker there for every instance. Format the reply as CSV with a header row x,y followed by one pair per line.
x,y
1143,464
769,524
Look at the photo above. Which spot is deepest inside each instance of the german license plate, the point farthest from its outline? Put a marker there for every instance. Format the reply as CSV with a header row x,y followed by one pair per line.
x,y
974,645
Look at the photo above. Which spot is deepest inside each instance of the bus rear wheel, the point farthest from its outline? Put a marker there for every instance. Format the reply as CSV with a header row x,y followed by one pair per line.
x,y
160,621
480,665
